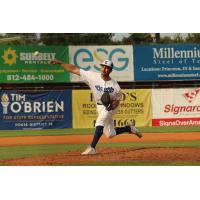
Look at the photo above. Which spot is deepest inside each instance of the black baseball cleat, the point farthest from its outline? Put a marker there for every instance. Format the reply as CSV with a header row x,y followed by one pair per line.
x,y
134,130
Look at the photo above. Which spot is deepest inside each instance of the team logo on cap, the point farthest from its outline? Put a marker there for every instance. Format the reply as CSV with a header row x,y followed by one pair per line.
x,y
107,63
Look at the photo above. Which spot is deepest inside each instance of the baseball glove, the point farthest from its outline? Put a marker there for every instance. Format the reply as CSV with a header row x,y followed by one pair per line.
x,y
106,101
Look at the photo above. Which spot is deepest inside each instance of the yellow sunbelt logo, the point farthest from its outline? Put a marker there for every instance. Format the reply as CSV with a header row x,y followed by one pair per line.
x,y
10,56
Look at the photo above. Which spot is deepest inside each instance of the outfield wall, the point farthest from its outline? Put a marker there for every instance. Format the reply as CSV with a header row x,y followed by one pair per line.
x,y
132,63
176,107
35,110
19,64
135,106
77,109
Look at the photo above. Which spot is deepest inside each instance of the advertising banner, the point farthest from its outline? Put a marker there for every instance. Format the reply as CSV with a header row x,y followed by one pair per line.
x,y
30,64
176,107
135,106
35,110
90,57
166,62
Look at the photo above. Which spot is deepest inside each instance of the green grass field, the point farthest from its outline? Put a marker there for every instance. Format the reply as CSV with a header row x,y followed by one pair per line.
x,y
14,152
8,133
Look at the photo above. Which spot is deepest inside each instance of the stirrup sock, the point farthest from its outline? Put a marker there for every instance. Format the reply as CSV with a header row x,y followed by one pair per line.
x,y
120,130
98,133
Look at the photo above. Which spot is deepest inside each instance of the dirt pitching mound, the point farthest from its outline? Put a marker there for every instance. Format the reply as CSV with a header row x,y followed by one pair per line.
x,y
112,155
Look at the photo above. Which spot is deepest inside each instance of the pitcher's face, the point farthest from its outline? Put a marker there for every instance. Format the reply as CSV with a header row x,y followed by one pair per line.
x,y
105,71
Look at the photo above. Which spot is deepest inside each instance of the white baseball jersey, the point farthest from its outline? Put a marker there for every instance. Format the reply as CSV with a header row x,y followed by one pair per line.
x,y
99,86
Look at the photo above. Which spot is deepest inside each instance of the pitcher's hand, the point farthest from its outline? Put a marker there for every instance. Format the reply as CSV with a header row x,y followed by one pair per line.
x,y
56,62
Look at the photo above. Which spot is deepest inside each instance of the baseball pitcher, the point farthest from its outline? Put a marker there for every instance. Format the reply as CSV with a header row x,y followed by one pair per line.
x,y
107,94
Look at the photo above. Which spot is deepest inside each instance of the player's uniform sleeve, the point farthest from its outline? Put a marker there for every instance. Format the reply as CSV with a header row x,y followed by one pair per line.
x,y
86,76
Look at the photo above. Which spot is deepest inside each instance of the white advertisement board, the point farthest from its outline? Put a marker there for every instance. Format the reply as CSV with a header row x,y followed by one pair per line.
x,y
176,107
90,57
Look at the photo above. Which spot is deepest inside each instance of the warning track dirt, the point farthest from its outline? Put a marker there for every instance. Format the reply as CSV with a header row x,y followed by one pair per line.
x,y
86,139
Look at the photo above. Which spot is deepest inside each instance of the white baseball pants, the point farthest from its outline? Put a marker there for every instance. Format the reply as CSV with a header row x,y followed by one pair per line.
x,y
105,119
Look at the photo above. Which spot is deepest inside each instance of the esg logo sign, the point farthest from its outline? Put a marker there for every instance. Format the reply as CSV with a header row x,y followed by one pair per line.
x,y
86,59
